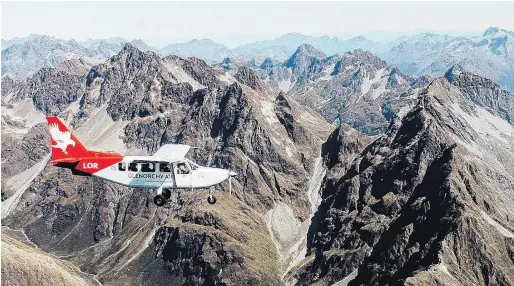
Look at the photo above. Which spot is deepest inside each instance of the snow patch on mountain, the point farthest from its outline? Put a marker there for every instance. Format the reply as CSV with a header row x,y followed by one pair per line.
x,y
368,84
285,85
181,76
347,279
381,88
268,110
328,73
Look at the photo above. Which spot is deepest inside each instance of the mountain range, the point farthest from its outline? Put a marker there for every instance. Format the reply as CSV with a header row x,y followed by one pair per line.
x,y
489,55
411,186
357,88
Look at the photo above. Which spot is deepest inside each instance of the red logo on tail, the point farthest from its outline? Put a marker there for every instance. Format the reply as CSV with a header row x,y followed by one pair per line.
x,y
62,138
65,146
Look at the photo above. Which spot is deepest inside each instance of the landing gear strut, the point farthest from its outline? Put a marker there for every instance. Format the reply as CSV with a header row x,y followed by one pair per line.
x,y
211,199
163,195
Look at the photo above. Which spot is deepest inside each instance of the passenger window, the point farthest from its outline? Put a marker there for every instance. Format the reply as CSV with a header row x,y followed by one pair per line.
x,y
147,167
122,166
164,167
182,168
133,167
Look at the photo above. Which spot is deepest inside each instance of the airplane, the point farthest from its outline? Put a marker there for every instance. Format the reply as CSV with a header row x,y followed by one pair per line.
x,y
166,170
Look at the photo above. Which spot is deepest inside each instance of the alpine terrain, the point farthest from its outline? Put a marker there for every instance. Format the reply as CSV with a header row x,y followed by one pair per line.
x,y
350,170
427,203
356,88
134,103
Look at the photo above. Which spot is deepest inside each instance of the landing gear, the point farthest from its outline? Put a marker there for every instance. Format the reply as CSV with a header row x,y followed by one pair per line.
x,y
159,200
163,195
211,199
166,193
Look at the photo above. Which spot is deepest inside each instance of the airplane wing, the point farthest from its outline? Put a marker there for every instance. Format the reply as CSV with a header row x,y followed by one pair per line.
x,y
172,152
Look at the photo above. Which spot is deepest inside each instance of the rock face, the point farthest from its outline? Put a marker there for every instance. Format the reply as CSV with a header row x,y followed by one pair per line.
x,y
246,76
414,206
135,102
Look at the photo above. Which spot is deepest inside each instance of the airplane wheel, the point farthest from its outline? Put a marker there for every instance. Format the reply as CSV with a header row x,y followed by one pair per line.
x,y
166,193
159,200
211,199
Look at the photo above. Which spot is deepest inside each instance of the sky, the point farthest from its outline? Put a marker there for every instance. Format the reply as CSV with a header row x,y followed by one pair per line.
x,y
235,23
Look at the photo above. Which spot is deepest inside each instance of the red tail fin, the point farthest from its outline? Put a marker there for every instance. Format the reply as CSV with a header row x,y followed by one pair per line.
x,y
65,146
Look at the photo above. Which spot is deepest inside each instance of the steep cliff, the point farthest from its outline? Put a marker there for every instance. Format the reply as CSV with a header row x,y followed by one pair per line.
x,y
429,202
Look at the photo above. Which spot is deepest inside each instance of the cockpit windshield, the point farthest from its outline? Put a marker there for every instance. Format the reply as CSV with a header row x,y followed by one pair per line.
x,y
193,165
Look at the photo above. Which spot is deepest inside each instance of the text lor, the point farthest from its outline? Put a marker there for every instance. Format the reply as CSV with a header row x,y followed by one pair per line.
x,y
90,165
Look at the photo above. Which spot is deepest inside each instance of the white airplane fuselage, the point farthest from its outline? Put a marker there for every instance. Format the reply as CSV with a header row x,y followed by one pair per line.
x,y
171,177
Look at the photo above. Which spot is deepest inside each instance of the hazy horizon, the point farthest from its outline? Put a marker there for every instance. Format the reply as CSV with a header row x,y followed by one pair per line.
x,y
378,21
377,36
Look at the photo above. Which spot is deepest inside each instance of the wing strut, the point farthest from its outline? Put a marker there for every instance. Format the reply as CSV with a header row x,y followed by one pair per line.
x,y
230,185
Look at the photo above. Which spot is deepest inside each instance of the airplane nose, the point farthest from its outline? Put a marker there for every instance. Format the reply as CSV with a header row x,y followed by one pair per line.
x,y
232,173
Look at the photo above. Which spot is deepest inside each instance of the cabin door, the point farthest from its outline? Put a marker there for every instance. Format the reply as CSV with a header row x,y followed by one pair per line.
x,y
183,175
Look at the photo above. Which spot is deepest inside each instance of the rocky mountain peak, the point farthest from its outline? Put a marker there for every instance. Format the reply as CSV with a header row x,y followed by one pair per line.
x,y
483,92
267,64
284,114
342,142
292,37
453,73
305,58
137,42
364,56
460,77
491,31
202,42
231,64
247,76
141,45
28,57
130,47
307,50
